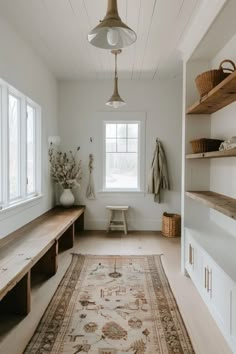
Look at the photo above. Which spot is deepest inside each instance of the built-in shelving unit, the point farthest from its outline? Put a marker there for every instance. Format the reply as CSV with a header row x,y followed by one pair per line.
x,y
219,202
219,97
212,154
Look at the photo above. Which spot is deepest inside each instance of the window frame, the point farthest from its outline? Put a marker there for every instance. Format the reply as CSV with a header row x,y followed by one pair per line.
x,y
125,118
5,201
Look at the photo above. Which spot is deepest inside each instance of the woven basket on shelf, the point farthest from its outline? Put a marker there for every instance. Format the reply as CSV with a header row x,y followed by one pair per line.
x,y
171,225
206,81
205,145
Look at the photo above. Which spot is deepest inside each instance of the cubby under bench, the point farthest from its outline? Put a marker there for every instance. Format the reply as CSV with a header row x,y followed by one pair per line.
x,y
34,249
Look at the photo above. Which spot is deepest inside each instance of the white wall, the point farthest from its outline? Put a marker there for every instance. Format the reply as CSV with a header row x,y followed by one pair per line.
x,y
223,125
79,103
22,68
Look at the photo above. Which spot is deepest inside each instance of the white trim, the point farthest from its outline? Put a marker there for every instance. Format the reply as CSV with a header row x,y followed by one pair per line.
x,y
206,15
124,117
29,202
23,101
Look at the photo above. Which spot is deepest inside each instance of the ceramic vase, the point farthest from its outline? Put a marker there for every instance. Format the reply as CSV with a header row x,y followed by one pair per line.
x,y
67,198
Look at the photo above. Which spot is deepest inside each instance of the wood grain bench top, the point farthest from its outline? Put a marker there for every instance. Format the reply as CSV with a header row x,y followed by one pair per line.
x,y
29,243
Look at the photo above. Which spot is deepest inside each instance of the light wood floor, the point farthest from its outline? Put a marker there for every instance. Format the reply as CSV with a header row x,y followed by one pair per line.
x,y
205,336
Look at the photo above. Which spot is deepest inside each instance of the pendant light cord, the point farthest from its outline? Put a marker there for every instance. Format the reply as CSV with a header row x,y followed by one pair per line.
x,y
116,76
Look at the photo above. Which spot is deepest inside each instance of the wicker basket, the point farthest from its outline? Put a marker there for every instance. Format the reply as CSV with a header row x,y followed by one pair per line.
x,y
171,225
206,81
205,145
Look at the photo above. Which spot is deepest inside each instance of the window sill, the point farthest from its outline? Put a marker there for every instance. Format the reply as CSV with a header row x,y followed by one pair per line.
x,y
107,193
29,202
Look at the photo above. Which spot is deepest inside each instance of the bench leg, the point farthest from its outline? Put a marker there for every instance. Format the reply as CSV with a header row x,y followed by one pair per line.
x,y
67,239
124,221
18,300
48,264
79,223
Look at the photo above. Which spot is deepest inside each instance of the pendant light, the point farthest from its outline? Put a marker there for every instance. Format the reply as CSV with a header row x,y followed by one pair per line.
x,y
111,32
116,101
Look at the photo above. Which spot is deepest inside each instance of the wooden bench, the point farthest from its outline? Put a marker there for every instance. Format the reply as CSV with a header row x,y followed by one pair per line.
x,y
34,248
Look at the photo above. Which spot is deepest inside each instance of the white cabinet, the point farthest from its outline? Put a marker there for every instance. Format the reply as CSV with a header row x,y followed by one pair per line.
x,y
216,288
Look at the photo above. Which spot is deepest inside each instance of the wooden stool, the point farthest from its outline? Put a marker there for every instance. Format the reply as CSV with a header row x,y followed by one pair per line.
x,y
116,224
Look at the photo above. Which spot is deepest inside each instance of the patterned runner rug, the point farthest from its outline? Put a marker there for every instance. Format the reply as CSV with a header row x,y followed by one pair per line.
x,y
112,305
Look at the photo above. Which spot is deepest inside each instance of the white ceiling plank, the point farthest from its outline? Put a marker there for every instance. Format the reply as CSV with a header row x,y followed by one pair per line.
x,y
57,30
164,21
187,12
146,12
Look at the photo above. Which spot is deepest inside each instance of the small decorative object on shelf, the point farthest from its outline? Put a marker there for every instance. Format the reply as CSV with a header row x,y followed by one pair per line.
x,y
205,145
171,225
206,81
66,171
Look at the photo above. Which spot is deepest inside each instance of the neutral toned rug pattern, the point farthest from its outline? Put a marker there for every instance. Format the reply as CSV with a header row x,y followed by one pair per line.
x,y
112,305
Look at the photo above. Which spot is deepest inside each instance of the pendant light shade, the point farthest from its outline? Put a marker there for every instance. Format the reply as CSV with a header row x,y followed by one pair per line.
x,y
115,101
111,32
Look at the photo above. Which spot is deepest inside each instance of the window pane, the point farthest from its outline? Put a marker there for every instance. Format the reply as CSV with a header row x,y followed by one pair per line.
x,y
132,145
110,145
121,130
133,130
14,147
30,150
121,171
121,145
111,130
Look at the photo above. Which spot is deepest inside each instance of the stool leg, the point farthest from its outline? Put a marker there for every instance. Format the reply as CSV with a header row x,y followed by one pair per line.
x,y
109,222
124,222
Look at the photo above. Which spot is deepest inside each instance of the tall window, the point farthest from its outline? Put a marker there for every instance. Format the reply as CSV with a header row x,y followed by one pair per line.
x,y
20,148
122,156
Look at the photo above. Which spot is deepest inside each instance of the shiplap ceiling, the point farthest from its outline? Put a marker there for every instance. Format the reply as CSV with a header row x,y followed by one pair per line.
x,y
57,29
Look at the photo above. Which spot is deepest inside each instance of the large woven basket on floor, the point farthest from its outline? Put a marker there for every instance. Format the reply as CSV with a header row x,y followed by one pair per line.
x,y
205,145
206,81
171,225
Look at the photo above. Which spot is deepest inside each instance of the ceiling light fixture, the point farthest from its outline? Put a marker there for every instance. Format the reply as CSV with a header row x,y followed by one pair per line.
x,y
116,101
111,32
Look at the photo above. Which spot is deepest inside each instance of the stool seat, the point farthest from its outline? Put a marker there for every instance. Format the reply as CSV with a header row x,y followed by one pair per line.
x,y
117,224
115,207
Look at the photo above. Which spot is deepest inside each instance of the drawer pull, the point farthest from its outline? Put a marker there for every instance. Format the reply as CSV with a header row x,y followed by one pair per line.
x,y
191,255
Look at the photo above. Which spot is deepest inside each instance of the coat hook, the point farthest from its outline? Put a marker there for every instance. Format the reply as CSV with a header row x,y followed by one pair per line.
x,y
91,139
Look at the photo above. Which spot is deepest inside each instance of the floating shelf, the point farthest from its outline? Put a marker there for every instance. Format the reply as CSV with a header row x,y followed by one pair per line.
x,y
212,154
219,97
219,202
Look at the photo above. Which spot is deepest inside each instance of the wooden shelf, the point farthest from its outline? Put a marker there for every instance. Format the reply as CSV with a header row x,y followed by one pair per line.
x,y
213,154
219,202
219,97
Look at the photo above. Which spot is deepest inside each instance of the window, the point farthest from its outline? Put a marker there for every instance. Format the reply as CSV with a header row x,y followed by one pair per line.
x,y
123,157
20,129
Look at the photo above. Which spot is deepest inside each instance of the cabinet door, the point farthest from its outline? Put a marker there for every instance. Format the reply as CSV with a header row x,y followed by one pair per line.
x,y
194,261
233,317
218,288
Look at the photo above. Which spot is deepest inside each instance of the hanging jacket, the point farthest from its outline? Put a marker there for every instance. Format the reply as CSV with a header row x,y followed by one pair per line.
x,y
158,177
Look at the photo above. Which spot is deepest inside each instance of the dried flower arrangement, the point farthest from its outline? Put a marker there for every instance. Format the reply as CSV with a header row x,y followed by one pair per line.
x,y
65,169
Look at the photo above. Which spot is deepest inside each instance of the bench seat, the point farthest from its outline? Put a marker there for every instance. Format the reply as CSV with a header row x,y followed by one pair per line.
x,y
34,247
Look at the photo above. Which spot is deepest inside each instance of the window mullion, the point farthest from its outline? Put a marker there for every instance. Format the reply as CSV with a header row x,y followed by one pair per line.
x,y
38,154
5,149
23,144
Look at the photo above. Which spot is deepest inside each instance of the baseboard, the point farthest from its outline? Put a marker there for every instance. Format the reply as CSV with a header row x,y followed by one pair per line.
x,y
133,225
